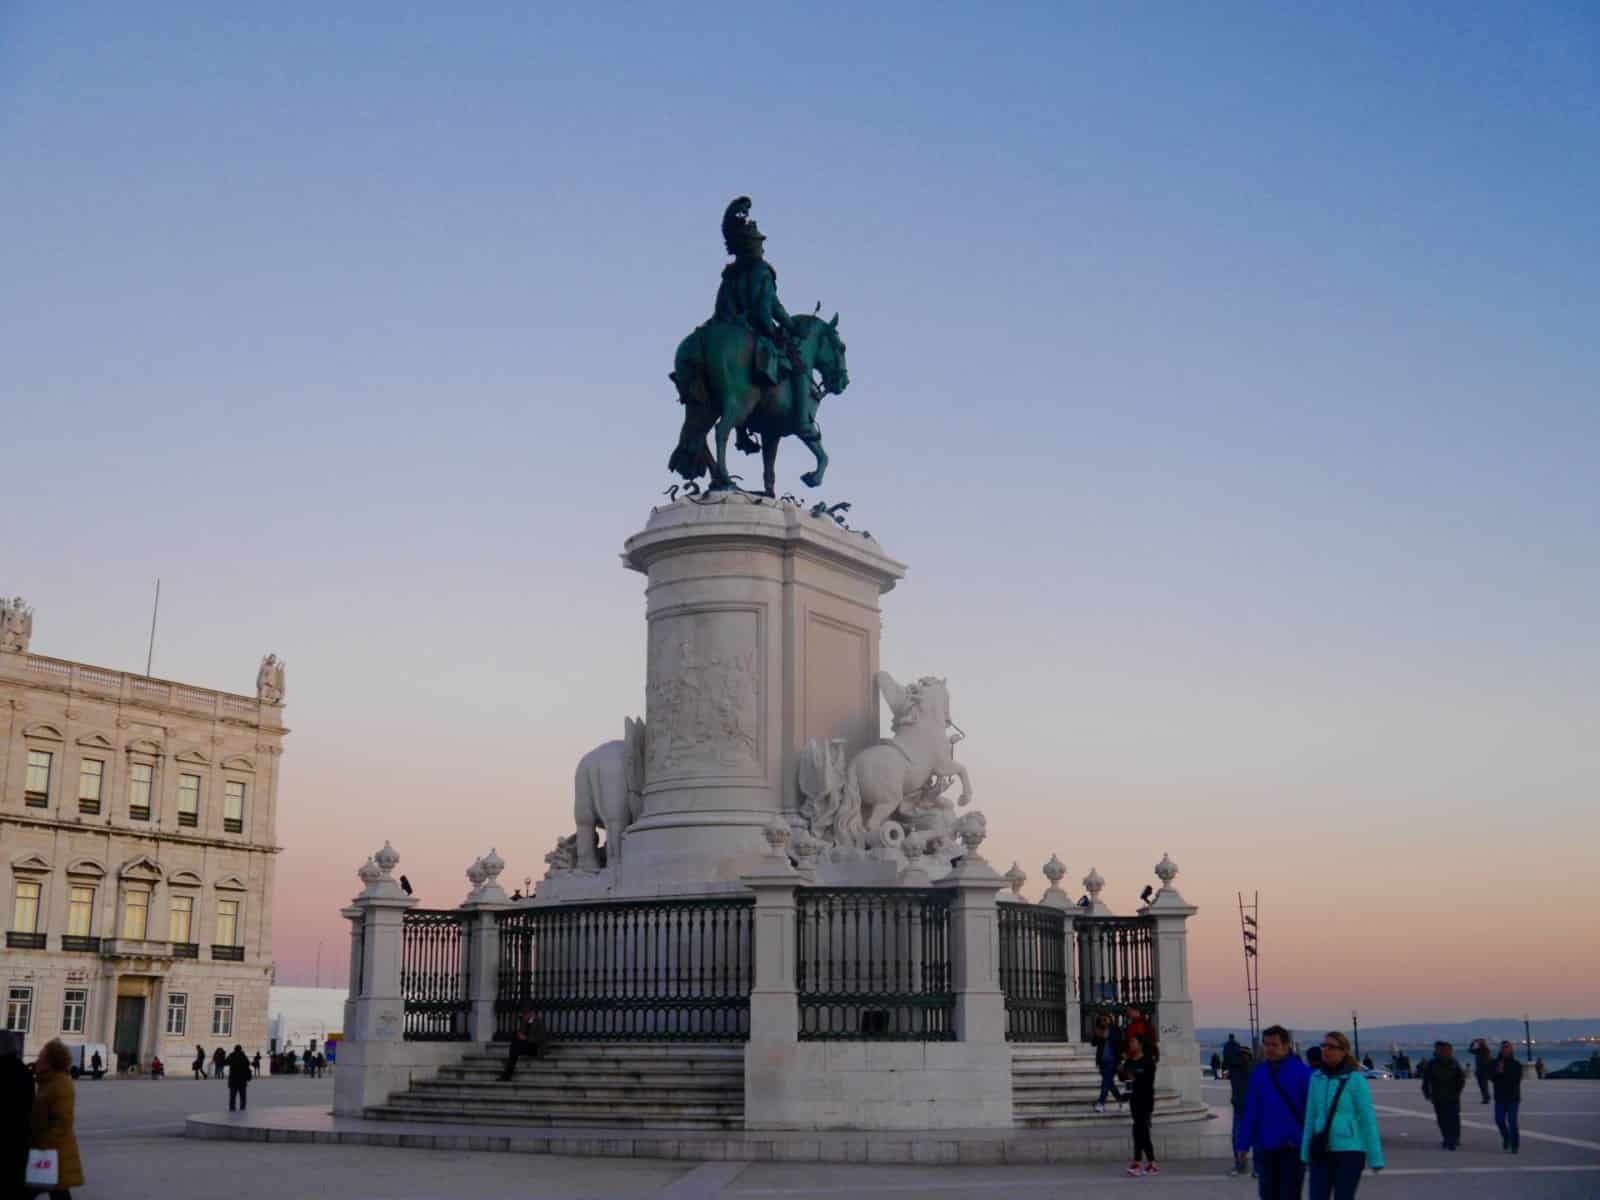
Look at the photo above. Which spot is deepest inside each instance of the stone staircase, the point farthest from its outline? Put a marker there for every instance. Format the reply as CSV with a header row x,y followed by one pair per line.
x,y
1055,1085
654,1085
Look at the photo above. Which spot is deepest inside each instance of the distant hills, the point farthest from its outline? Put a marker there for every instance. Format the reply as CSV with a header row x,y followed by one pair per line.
x,y
1424,1033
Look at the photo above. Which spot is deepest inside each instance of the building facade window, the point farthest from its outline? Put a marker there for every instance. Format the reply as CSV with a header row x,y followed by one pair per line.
x,y
233,807
19,1009
227,922
188,799
135,914
80,911
91,779
25,907
180,920
36,791
141,782
222,1016
74,1007
177,1013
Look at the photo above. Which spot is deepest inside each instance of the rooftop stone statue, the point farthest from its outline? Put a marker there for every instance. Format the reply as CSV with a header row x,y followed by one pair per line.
x,y
752,369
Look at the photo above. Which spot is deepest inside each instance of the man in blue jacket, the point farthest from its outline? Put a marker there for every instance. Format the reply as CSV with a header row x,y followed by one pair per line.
x,y
1274,1118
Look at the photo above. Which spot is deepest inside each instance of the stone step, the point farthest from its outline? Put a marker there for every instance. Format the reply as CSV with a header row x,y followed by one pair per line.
x,y
612,1067
532,1090
627,1050
672,1118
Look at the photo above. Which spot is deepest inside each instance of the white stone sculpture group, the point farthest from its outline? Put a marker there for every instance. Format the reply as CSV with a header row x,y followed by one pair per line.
x,y
889,802
16,625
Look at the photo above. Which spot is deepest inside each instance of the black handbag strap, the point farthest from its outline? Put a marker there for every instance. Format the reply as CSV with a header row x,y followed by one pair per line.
x,y
1327,1126
1287,1103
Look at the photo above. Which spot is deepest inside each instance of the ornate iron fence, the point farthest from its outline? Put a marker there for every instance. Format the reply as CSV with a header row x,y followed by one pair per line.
x,y
874,964
1033,971
629,970
433,975
1116,967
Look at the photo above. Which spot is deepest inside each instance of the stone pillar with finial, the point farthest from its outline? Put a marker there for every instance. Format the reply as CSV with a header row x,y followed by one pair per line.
x,y
975,939
375,1025
1054,897
483,902
774,997
1169,912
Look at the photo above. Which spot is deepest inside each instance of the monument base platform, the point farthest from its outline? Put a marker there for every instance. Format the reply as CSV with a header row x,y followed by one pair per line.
x,y
1205,1137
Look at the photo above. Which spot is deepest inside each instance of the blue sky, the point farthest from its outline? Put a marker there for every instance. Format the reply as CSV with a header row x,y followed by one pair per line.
x,y
1225,375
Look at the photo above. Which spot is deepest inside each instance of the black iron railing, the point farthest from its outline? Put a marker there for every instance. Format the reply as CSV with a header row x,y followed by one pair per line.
x,y
179,949
628,970
1116,967
433,975
24,941
874,964
227,953
74,943
1033,971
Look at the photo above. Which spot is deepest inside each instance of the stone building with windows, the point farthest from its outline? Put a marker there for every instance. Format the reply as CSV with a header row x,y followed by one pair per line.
x,y
137,844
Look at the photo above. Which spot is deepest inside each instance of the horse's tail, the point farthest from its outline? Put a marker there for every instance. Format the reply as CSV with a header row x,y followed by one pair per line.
x,y
692,457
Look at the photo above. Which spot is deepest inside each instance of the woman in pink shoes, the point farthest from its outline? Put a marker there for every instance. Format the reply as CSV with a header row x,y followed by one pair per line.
x,y
1139,1071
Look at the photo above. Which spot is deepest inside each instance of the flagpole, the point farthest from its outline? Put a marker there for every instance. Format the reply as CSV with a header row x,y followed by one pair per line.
x,y
150,657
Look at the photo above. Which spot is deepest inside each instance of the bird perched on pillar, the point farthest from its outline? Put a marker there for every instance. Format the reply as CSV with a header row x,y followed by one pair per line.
x,y
405,885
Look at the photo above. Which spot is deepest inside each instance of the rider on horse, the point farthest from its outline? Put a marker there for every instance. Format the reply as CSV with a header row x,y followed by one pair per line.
x,y
748,295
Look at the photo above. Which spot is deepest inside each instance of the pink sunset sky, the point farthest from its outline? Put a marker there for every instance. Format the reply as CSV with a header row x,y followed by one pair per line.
x,y
1237,424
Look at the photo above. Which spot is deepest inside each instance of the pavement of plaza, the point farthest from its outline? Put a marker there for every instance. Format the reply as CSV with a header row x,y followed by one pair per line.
x,y
131,1137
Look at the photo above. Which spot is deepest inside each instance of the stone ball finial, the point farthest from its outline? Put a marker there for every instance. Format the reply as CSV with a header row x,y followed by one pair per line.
x,y
1093,883
1166,870
777,835
476,874
387,859
1054,870
972,828
369,872
1016,877
493,864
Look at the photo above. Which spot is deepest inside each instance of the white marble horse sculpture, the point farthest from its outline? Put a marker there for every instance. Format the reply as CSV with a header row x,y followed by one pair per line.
x,y
846,807
608,793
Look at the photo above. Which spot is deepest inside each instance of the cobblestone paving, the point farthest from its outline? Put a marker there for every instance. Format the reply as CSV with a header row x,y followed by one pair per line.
x,y
132,1148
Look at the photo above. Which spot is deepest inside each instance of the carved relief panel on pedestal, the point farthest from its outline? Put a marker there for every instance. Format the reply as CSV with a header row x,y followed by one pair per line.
x,y
703,702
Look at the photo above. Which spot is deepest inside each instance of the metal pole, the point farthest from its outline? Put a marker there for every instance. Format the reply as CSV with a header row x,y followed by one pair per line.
x,y
1355,1023
150,657
1527,1035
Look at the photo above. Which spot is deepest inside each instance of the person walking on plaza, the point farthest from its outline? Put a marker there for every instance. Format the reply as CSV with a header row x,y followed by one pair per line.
x,y
1538,1066
199,1065
1107,1054
1443,1081
218,1061
1139,1069
1482,1064
1239,1082
1274,1115
1506,1077
238,1077
54,1108
16,1098
1230,1054
1340,1138
255,1064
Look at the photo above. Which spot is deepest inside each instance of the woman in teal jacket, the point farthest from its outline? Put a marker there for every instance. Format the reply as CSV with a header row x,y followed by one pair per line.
x,y
1353,1142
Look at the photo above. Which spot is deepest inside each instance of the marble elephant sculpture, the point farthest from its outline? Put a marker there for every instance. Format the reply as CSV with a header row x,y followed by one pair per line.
x,y
608,792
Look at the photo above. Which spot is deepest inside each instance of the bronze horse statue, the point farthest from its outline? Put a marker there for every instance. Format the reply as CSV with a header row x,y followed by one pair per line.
x,y
719,388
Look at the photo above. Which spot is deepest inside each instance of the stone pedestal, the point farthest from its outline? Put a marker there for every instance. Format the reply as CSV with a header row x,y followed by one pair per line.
x,y
763,633
1180,1053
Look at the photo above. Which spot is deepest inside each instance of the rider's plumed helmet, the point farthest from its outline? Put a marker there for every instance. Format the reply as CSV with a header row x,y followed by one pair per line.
x,y
740,234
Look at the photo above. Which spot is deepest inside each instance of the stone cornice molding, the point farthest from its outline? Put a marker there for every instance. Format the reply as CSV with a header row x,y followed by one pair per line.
x,y
154,837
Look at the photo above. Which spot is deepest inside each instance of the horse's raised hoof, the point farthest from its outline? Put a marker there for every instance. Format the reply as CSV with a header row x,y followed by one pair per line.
x,y
811,478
